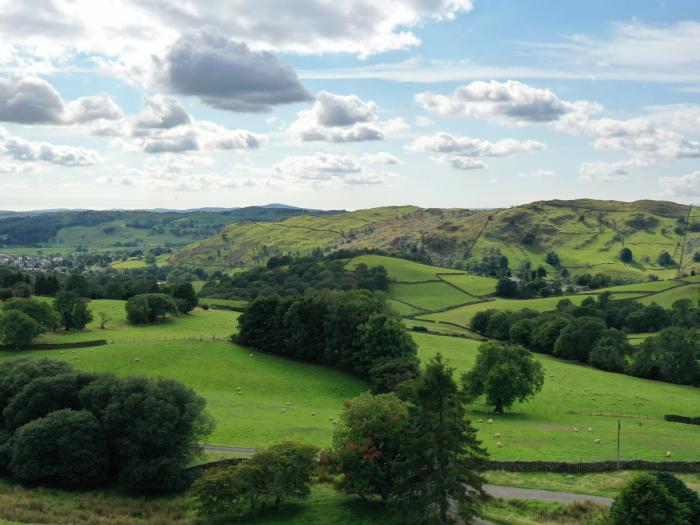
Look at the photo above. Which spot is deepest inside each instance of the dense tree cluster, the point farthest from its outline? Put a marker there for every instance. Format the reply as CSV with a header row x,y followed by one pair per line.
x,y
73,428
285,276
354,331
594,333
149,308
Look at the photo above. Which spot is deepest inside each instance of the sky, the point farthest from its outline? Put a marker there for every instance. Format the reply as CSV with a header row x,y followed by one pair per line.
x,y
347,105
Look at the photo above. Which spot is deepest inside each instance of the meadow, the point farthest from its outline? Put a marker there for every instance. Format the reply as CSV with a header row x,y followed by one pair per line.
x,y
573,396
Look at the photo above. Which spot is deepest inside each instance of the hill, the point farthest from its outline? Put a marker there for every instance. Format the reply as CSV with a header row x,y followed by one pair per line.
x,y
65,231
587,235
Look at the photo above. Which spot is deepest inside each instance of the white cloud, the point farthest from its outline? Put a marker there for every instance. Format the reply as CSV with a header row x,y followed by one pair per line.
x,y
461,163
509,102
382,158
339,118
326,170
161,112
684,118
226,74
28,99
443,142
683,186
538,174
29,151
611,171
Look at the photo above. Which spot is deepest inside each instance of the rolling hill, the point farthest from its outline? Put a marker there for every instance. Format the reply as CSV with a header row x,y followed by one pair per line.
x,y
587,235
65,231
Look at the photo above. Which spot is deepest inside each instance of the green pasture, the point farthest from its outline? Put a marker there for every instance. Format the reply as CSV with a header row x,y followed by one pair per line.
x,y
668,297
429,296
472,284
646,287
231,303
401,270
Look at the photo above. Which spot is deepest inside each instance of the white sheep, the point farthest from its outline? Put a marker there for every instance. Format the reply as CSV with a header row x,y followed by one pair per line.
x,y
499,444
575,429
596,441
668,453
590,429
490,421
313,413
497,435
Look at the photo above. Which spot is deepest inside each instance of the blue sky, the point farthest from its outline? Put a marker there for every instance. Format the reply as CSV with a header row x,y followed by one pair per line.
x,y
441,103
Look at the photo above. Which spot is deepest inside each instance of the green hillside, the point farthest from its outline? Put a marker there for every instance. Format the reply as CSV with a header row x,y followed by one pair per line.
x,y
587,235
113,230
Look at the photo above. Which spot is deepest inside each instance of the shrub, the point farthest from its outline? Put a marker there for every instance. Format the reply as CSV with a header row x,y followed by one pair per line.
x,y
66,446
40,311
149,308
185,297
17,328
626,255
645,501
73,310
682,493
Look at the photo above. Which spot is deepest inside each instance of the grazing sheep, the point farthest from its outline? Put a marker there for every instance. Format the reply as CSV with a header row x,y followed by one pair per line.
x,y
596,441
490,421
668,453
137,359
590,429
575,429
497,435
499,444
313,413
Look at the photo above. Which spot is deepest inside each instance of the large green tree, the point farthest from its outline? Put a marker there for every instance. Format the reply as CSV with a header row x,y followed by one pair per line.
x,y
17,328
369,443
503,373
577,339
440,475
73,310
40,311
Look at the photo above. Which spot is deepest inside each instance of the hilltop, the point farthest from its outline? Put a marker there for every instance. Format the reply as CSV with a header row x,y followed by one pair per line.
x,y
587,236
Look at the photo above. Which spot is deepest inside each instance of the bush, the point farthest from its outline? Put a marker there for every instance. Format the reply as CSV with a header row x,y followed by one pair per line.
x,y
277,474
66,446
185,297
387,375
40,311
73,310
17,328
682,493
626,255
645,501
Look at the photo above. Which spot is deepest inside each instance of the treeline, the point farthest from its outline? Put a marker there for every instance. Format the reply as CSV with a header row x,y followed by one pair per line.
x,y
355,331
79,429
287,276
595,333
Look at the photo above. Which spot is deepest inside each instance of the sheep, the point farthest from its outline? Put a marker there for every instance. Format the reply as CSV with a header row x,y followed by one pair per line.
x,y
668,453
575,429
490,421
596,441
590,429
499,444
137,359
497,435
251,355
313,413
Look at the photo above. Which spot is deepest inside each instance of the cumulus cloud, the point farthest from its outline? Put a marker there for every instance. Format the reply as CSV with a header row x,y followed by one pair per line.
x,y
684,118
326,170
339,118
611,171
28,99
382,158
637,136
538,174
509,102
444,142
461,163
226,74
161,112
683,186
24,150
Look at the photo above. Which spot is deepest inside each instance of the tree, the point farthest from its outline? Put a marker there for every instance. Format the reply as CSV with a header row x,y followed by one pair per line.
x,y
185,297
626,255
577,339
506,287
388,375
682,493
552,259
40,311
645,501
77,284
22,289
66,447
504,373
149,308
17,328
104,319
665,259
383,336
443,453
671,356
369,443
73,310
274,475
610,351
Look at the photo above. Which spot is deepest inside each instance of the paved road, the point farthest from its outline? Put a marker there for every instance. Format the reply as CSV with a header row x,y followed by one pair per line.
x,y
543,495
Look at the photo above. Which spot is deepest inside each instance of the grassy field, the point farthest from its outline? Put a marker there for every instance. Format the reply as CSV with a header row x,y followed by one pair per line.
x,y
429,296
545,429
667,298
472,284
401,270
260,415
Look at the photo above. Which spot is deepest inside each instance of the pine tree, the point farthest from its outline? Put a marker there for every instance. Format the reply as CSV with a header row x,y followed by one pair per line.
x,y
439,479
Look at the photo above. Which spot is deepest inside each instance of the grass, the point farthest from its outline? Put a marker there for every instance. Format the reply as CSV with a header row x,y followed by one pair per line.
x,y
668,297
543,427
234,303
594,484
472,284
401,270
429,296
463,314
517,512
